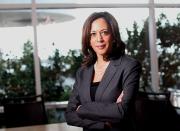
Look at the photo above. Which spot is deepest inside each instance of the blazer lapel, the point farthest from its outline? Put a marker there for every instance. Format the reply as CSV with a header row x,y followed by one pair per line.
x,y
109,73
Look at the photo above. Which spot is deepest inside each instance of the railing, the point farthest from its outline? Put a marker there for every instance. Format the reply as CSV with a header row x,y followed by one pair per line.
x,y
48,105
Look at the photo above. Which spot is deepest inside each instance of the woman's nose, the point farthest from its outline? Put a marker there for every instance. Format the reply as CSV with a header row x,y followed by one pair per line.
x,y
99,37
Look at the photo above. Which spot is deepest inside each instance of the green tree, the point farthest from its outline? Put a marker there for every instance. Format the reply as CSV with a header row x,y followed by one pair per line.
x,y
73,62
169,51
137,45
52,77
168,43
3,76
58,69
20,73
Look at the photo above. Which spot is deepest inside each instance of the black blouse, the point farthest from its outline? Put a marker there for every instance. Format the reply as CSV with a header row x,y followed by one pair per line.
x,y
94,86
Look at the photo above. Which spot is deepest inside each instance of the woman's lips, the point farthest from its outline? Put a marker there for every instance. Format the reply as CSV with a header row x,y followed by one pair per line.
x,y
100,46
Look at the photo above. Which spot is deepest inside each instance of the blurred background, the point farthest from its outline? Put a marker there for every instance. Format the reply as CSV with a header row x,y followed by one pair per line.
x,y
40,44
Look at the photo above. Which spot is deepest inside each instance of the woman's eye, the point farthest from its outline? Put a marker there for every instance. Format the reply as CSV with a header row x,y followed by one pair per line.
x,y
93,34
104,32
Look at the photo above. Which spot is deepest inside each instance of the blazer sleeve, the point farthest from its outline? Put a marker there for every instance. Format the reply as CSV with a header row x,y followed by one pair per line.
x,y
115,112
72,117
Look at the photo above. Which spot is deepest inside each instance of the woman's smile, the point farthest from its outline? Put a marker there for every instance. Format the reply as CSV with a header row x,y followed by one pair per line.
x,y
100,47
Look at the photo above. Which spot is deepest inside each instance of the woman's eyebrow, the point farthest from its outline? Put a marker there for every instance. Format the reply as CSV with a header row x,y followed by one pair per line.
x,y
100,30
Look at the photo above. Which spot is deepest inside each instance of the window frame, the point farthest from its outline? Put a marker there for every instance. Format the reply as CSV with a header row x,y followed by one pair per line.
x,y
151,5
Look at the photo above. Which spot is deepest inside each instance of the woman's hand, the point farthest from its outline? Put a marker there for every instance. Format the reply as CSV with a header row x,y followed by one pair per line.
x,y
78,107
119,99
107,125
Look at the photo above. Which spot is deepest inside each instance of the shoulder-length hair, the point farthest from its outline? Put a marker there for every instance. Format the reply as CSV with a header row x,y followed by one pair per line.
x,y
118,46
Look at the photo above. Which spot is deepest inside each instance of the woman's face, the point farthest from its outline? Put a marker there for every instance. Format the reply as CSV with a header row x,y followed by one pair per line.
x,y
101,38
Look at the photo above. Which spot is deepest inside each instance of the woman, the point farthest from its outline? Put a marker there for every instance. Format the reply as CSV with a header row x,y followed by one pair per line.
x,y
106,84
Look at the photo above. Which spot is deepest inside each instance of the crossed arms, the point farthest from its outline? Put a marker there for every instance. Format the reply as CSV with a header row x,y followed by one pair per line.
x,y
95,115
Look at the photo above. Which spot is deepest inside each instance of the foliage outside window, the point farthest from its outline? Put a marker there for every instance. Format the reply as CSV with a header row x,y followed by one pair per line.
x,y
17,75
169,51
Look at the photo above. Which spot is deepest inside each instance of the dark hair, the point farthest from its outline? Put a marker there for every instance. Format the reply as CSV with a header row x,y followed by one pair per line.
x,y
118,46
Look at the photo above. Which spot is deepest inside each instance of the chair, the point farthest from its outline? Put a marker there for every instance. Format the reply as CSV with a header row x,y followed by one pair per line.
x,y
154,111
24,111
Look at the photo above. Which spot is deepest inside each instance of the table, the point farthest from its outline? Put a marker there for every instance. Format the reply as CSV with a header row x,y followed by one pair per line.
x,y
47,127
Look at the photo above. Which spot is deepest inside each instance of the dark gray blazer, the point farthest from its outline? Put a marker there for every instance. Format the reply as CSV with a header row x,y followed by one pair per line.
x,y
121,75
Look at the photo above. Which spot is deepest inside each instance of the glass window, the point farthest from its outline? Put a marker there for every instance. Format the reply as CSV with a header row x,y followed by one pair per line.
x,y
55,1
167,1
92,1
14,1
59,44
168,45
113,1
16,53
